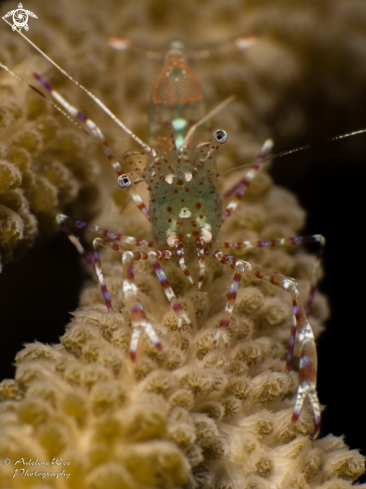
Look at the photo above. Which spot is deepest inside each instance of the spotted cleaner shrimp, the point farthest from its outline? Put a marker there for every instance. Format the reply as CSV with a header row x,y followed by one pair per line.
x,y
186,211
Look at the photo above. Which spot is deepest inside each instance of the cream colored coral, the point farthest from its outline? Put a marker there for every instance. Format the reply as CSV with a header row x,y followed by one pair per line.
x,y
191,415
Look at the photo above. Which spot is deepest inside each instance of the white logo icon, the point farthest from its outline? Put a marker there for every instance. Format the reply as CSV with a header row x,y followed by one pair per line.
x,y
20,17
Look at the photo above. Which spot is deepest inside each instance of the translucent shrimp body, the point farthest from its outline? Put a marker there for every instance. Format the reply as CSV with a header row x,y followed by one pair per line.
x,y
184,201
176,103
185,204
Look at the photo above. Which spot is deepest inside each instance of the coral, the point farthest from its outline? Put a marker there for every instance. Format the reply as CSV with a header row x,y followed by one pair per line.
x,y
191,415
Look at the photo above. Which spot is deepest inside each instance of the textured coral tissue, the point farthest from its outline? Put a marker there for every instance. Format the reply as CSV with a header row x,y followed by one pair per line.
x,y
78,413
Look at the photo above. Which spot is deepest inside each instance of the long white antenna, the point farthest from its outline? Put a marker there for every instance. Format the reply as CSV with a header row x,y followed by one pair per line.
x,y
298,149
119,123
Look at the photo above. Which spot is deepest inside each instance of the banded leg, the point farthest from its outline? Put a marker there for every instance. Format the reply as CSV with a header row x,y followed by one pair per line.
x,y
315,238
97,136
308,356
74,240
138,317
177,307
65,222
241,187
202,51
180,253
200,247
225,320
135,308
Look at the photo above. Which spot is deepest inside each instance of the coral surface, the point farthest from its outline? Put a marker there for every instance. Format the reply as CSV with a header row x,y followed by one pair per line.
x,y
191,415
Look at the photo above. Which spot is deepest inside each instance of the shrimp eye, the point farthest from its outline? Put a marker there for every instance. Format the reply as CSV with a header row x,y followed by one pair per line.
x,y
221,136
124,181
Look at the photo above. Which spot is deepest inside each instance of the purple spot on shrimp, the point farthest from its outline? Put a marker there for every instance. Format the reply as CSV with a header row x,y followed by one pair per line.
x,y
42,81
82,117
87,258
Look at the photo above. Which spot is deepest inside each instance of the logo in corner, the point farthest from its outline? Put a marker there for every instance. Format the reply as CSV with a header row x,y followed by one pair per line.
x,y
20,17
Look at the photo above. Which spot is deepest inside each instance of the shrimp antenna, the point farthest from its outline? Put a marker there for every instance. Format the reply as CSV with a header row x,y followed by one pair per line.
x,y
203,120
102,144
55,106
298,149
93,97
